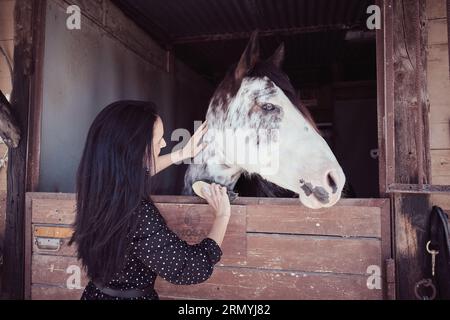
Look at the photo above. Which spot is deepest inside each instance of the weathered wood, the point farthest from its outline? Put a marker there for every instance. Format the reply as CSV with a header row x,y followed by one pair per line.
x,y
448,32
263,33
286,252
339,221
440,163
412,163
27,17
442,201
253,284
193,223
9,127
438,83
52,232
440,136
43,292
226,283
36,99
436,9
252,250
382,64
438,186
312,253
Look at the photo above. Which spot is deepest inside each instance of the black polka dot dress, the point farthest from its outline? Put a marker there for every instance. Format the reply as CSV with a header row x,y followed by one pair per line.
x,y
157,251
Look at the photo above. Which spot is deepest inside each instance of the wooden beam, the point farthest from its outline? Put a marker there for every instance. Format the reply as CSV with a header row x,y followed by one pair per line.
x,y
263,33
448,31
418,189
412,163
9,128
28,15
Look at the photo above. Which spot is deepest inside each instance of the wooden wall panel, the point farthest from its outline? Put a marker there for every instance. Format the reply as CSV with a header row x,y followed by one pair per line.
x,y
292,259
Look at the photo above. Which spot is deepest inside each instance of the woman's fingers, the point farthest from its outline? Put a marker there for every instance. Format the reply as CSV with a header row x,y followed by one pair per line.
x,y
208,196
201,130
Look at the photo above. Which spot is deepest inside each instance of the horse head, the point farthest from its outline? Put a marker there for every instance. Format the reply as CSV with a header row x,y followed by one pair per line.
x,y
257,125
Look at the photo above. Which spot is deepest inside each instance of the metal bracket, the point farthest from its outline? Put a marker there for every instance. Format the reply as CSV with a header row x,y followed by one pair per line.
x,y
48,244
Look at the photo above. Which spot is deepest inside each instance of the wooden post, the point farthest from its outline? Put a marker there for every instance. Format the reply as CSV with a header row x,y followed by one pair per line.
x,y
411,132
28,15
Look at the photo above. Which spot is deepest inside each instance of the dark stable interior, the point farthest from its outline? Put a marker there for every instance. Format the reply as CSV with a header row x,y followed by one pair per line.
x,y
330,59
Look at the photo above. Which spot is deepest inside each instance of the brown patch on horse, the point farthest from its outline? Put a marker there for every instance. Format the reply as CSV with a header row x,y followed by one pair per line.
x,y
281,80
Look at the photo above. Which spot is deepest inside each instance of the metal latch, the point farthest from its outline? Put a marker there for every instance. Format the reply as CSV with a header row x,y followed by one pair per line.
x,y
51,238
48,244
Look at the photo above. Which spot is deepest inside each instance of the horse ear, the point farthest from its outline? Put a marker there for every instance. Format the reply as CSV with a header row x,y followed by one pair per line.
x,y
278,57
248,58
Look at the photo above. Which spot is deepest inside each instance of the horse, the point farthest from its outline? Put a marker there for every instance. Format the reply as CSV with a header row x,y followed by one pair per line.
x,y
257,106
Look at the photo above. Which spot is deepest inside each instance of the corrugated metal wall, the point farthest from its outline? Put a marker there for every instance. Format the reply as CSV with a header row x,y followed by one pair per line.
x,y
84,70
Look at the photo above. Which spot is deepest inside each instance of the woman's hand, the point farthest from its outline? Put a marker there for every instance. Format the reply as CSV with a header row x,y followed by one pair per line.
x,y
192,149
217,197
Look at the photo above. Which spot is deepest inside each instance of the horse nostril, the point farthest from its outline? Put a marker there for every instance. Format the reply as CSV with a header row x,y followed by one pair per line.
x,y
332,182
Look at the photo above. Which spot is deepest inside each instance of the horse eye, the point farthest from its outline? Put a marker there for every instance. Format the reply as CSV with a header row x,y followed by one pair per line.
x,y
268,107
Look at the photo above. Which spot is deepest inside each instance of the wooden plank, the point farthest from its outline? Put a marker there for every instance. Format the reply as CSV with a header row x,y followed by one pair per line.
x,y
43,292
34,128
313,254
28,16
53,211
340,221
254,284
436,9
287,252
440,136
411,131
438,83
440,163
228,283
382,64
442,201
52,232
441,180
437,31
57,270
193,223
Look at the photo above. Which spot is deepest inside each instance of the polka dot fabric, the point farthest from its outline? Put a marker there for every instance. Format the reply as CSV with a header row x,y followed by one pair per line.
x,y
154,251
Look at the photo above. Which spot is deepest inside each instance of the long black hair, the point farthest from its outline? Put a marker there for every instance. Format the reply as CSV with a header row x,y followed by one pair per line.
x,y
112,179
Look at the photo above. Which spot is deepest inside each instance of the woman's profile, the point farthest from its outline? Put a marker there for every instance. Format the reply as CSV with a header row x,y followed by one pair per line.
x,y
123,241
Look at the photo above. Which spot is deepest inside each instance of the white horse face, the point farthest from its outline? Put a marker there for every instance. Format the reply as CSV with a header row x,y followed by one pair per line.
x,y
258,129
266,134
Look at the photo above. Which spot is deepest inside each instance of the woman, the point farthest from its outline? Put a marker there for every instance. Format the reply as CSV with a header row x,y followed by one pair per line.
x,y
123,241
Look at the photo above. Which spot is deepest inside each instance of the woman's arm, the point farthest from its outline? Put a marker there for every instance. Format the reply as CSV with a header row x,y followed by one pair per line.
x,y
217,197
190,150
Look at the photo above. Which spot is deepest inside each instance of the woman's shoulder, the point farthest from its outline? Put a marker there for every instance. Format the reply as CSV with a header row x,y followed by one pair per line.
x,y
149,219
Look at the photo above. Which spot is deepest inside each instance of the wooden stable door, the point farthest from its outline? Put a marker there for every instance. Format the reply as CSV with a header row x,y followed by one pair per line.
x,y
273,249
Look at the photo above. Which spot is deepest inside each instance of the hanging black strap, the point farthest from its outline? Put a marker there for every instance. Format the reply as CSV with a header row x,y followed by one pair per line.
x,y
439,231
440,241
